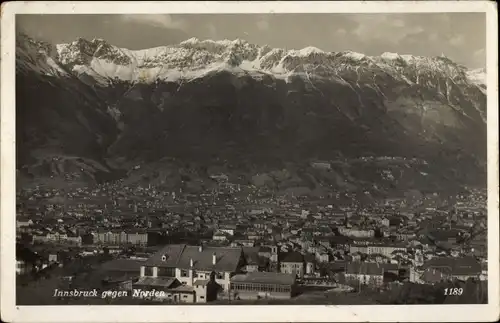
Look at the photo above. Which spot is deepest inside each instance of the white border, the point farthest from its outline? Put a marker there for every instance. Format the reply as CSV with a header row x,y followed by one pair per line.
x,y
234,313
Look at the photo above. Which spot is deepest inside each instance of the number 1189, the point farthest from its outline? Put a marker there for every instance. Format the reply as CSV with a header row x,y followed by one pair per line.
x,y
453,291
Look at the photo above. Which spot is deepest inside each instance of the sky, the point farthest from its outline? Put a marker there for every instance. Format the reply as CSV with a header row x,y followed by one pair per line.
x,y
459,36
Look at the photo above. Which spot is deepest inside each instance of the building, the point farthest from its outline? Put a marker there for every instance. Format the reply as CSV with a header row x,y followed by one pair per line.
x,y
258,285
385,250
132,237
57,237
242,242
338,243
74,239
253,261
358,248
206,290
265,251
369,273
384,221
293,263
220,236
446,268
137,237
356,233
274,253
23,222
228,229
322,256
191,263
163,289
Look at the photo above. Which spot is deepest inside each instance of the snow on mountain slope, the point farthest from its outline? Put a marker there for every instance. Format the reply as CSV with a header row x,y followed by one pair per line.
x,y
477,76
196,58
93,100
37,56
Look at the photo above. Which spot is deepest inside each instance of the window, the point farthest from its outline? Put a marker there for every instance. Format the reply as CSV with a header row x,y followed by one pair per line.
x,y
219,275
202,297
184,296
183,283
184,273
166,272
148,271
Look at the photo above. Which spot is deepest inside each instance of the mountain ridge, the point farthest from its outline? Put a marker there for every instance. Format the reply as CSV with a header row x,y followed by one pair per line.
x,y
216,107
193,54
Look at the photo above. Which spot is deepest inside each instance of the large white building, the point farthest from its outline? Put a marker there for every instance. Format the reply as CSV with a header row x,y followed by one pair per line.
x,y
192,266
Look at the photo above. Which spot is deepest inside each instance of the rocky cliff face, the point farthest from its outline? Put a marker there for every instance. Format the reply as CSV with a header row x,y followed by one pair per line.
x,y
249,109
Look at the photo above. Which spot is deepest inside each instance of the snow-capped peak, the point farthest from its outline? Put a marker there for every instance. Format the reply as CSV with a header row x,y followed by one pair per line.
x,y
477,76
194,58
37,56
354,55
307,51
390,56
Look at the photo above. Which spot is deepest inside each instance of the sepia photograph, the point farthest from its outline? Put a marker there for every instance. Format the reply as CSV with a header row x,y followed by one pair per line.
x,y
198,159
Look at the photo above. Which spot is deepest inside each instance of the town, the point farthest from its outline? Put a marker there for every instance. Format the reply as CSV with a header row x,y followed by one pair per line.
x,y
236,243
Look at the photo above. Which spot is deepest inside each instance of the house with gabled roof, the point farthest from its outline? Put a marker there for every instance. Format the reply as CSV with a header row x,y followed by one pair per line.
x,y
191,263
292,263
369,273
447,268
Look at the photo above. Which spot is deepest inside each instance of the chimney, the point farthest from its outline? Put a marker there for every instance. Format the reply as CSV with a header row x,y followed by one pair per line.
x,y
214,259
191,263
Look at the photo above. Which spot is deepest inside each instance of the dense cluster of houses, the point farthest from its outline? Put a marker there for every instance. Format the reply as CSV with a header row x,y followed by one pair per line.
x,y
239,242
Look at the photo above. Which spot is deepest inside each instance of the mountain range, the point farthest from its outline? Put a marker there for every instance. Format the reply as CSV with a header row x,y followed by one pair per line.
x,y
88,111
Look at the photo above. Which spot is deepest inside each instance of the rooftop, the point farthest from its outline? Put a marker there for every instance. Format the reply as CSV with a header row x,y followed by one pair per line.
x,y
156,281
293,257
456,266
180,256
123,265
264,278
201,282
